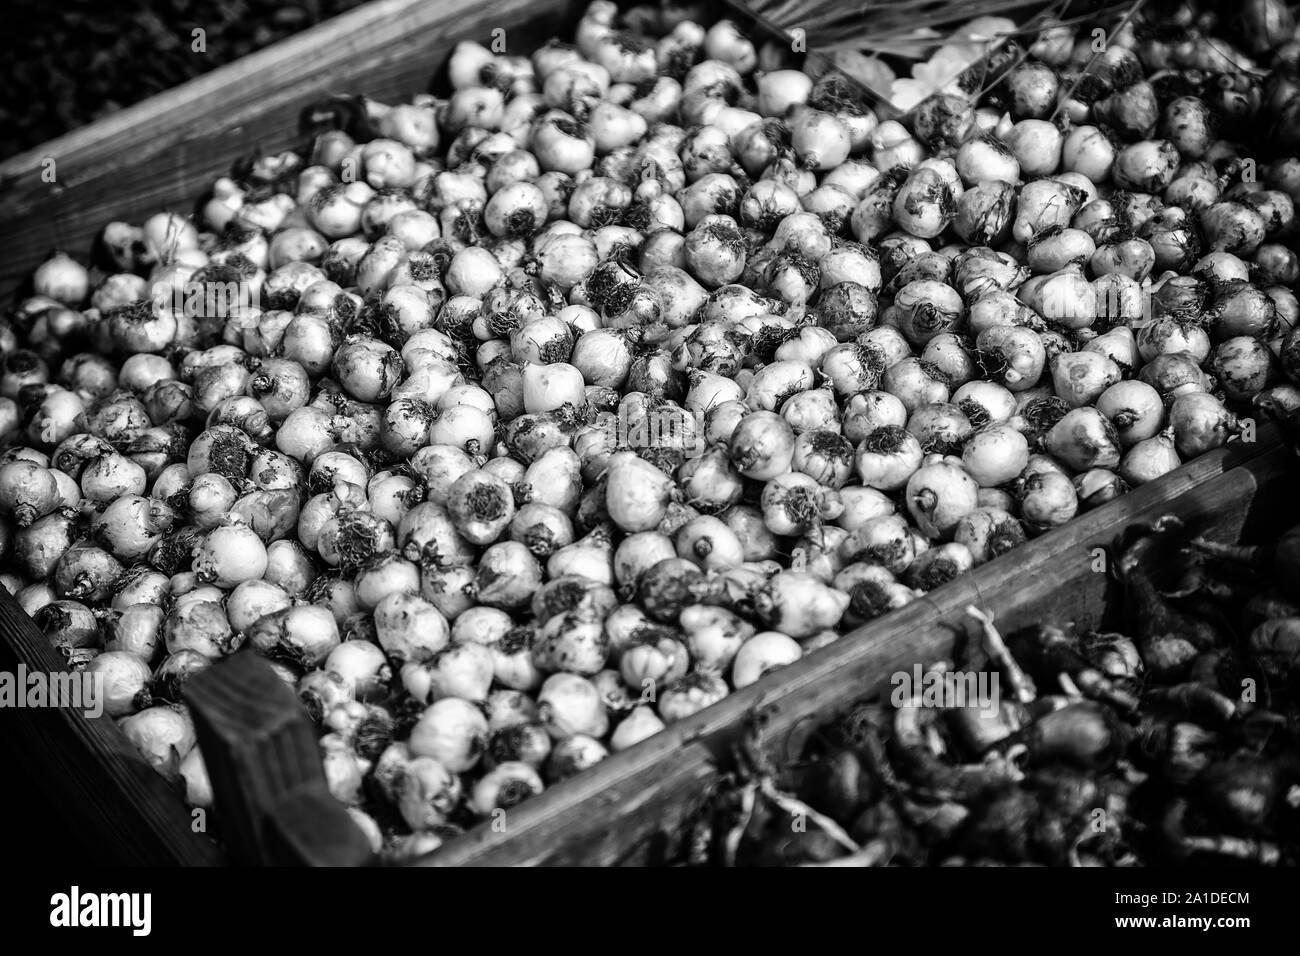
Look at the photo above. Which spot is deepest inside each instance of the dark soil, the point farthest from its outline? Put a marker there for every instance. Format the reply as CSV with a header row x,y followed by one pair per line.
x,y
67,63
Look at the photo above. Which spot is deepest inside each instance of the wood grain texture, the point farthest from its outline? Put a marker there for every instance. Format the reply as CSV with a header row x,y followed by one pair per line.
x,y
308,827
86,769
642,795
267,781
160,153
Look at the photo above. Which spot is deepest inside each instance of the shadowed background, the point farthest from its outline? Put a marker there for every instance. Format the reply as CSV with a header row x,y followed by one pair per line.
x,y
68,63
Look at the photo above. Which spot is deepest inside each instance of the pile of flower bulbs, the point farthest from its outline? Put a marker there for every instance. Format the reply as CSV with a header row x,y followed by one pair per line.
x,y
567,405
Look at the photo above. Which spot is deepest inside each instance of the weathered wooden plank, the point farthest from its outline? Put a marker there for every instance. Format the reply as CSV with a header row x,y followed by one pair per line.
x,y
309,827
267,782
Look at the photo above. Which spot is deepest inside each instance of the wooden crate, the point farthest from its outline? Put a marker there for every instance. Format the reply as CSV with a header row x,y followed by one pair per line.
x,y
156,155
269,784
